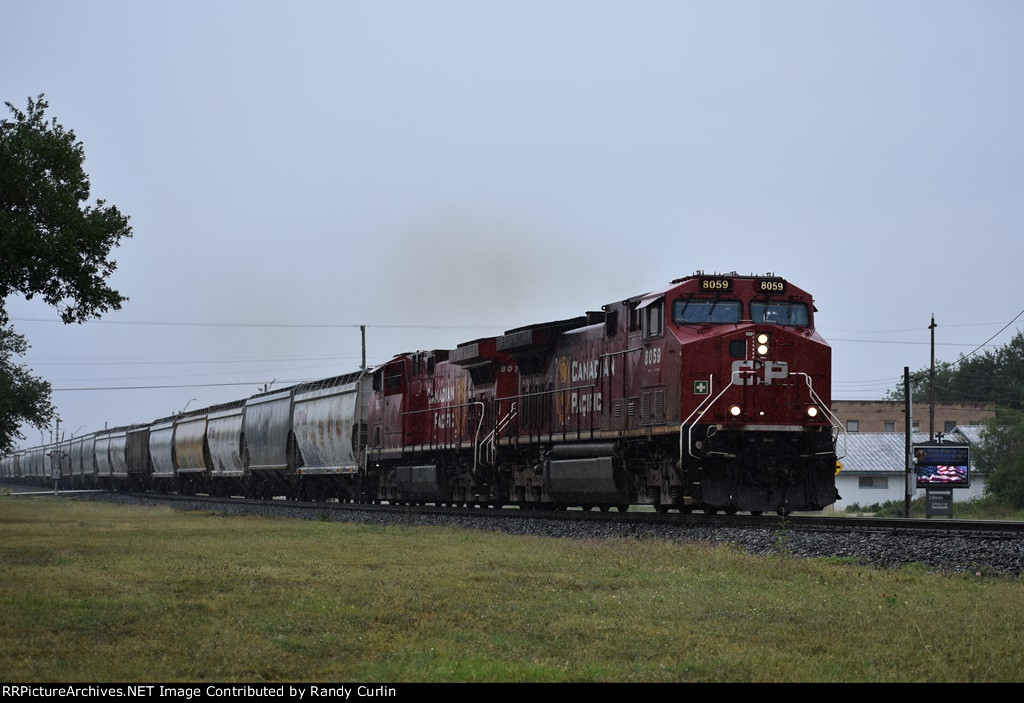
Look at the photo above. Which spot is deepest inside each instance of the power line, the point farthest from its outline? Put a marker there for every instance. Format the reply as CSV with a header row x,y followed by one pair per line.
x,y
943,366
175,385
888,341
976,349
258,324
326,364
912,329
212,360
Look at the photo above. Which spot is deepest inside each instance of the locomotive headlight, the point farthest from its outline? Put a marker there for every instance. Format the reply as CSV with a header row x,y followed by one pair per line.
x,y
735,410
762,343
812,411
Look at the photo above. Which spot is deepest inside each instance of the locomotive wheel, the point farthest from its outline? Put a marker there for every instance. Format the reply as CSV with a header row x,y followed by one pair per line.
x,y
622,508
661,509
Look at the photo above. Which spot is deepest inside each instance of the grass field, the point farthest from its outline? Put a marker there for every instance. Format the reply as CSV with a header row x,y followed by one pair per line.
x,y
96,592
982,508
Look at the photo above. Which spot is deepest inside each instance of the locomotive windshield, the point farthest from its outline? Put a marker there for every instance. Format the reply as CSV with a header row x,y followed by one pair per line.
x,y
706,312
792,314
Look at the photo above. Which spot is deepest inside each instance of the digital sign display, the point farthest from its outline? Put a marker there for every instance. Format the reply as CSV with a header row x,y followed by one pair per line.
x,y
942,465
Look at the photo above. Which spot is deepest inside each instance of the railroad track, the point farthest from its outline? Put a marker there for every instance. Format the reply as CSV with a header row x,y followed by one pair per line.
x,y
973,547
825,523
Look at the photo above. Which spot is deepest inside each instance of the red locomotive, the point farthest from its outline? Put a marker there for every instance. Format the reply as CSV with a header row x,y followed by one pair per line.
x,y
711,394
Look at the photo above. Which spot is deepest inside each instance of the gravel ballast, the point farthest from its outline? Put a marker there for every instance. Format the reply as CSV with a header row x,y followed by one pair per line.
x,y
971,555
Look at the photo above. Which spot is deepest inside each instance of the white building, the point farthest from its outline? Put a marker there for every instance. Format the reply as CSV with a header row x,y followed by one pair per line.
x,y
873,468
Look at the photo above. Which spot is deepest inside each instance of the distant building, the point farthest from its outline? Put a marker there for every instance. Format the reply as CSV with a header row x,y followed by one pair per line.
x,y
873,468
887,415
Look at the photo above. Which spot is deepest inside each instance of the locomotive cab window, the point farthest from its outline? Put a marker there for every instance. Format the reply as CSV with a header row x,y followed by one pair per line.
x,y
686,311
393,382
390,379
652,317
611,323
776,313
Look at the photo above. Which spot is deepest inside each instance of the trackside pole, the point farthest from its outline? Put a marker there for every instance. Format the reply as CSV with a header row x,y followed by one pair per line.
x,y
909,468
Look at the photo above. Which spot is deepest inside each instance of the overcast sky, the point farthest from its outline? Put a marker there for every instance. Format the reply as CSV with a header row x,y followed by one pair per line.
x,y
445,170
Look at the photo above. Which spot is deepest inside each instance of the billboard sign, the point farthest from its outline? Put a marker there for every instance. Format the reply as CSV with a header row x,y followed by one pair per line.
x,y
942,465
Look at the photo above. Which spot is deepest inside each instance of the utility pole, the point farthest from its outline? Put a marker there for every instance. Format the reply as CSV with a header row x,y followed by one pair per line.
x,y
909,428
56,456
362,333
931,387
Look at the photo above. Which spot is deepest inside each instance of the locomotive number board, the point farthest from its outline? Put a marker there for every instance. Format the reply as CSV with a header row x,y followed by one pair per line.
x,y
724,285
716,285
768,285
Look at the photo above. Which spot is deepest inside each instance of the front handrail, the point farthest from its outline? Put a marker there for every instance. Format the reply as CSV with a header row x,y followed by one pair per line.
x,y
705,406
491,440
696,421
699,412
833,420
479,424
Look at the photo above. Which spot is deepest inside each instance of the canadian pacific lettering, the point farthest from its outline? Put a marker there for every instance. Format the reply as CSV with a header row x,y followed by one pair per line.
x,y
589,370
445,394
584,403
444,419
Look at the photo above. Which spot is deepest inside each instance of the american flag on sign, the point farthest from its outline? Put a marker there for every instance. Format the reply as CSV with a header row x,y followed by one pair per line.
x,y
943,474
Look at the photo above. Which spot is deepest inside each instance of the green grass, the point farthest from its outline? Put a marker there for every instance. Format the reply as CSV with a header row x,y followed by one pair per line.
x,y
983,508
95,592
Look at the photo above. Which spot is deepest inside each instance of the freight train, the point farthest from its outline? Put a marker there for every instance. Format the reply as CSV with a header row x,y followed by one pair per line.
x,y
712,393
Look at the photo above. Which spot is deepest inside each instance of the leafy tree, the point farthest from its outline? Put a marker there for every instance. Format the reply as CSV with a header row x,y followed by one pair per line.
x,y
23,397
52,244
49,244
1001,456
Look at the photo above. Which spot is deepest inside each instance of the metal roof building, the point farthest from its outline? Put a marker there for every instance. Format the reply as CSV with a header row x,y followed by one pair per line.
x,y
873,468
